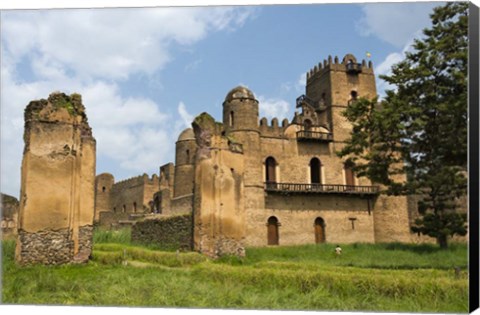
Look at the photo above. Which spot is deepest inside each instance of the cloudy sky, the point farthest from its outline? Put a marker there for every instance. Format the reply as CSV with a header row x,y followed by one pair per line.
x,y
144,73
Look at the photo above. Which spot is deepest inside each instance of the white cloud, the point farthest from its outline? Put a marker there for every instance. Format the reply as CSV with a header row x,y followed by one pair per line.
x,y
273,107
187,118
385,68
394,22
88,51
113,43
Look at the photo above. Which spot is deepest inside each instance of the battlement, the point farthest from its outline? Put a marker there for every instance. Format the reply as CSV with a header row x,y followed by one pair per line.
x,y
274,129
348,64
136,181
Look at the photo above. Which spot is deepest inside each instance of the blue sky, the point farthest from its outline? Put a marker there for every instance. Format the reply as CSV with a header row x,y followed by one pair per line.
x,y
145,73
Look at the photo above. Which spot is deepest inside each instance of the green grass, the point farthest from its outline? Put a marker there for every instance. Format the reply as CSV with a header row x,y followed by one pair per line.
x,y
380,277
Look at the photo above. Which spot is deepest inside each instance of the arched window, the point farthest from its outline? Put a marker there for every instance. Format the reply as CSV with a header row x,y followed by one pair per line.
x,y
124,208
349,175
270,168
134,207
353,95
188,156
114,209
103,189
315,171
272,231
319,230
231,119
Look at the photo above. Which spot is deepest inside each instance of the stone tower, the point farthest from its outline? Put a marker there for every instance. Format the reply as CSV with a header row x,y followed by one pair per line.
x,y
103,186
185,151
333,85
58,181
241,121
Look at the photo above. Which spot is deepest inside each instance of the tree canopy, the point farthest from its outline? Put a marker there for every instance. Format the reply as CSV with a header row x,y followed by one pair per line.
x,y
419,131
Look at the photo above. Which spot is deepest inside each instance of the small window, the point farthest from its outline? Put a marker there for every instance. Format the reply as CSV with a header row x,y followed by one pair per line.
x,y
272,231
134,207
353,95
114,209
315,171
231,119
188,156
103,189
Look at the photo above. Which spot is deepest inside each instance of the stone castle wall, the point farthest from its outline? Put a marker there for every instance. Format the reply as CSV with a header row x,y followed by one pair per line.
x,y
9,216
166,232
55,220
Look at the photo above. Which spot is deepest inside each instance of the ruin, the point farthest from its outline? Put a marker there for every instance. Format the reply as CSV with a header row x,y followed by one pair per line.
x,y
9,211
55,221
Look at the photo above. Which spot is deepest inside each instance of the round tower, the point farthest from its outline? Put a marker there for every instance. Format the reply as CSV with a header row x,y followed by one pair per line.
x,y
103,186
240,110
241,122
185,150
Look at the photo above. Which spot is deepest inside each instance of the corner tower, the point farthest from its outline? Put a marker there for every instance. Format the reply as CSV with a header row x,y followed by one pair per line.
x,y
240,110
333,85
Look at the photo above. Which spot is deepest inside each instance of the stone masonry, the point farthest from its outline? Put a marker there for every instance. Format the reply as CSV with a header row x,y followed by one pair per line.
x,y
249,182
55,222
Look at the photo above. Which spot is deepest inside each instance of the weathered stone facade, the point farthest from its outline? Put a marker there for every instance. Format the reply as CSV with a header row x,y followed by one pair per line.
x,y
55,219
125,199
168,232
251,183
9,215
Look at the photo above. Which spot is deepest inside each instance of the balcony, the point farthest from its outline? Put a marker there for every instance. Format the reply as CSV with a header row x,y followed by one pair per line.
x,y
306,135
354,68
290,188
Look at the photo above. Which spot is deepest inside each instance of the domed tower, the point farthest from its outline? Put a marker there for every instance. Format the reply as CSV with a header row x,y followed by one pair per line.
x,y
240,118
185,150
240,110
103,186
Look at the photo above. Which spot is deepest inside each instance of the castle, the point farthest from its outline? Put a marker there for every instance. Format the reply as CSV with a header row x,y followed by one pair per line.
x,y
251,183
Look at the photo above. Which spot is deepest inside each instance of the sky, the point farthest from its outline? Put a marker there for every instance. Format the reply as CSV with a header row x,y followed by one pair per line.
x,y
145,73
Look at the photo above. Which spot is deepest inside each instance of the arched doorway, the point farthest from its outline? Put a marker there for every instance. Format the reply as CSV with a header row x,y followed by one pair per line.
x,y
272,231
270,165
315,171
319,230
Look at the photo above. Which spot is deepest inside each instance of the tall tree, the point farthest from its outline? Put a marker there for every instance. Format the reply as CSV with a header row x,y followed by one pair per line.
x,y
420,129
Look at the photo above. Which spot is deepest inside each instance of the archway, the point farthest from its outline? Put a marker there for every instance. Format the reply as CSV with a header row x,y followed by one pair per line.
x,y
272,231
319,230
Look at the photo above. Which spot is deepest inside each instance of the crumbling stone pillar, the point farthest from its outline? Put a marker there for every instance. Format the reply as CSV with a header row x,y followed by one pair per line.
x,y
58,181
219,211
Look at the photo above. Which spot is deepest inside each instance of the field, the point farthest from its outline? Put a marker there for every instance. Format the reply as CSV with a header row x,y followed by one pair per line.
x,y
380,277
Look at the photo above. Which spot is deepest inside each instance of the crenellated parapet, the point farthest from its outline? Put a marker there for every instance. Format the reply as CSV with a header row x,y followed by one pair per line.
x,y
348,64
137,181
274,129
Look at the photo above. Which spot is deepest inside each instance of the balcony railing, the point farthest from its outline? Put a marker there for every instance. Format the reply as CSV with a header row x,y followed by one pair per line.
x,y
307,135
291,188
303,98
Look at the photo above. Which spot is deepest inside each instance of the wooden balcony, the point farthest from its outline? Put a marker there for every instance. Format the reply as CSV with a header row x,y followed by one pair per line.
x,y
306,135
291,188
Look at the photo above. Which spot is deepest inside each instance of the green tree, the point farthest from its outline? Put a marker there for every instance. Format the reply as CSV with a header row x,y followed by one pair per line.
x,y
420,130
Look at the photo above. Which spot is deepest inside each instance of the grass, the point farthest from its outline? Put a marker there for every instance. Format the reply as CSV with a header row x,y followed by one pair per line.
x,y
368,277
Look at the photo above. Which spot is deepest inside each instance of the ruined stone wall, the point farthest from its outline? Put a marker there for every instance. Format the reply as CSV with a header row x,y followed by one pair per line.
x,y
219,192
182,205
9,216
57,189
134,195
111,219
167,232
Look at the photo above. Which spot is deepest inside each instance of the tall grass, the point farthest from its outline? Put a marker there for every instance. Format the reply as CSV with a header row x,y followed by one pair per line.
x,y
306,277
121,236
